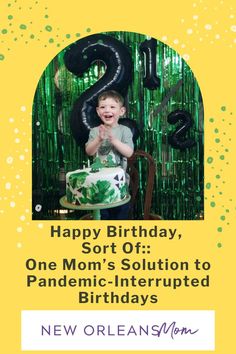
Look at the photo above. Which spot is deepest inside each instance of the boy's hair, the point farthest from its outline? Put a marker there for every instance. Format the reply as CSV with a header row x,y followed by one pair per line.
x,y
111,94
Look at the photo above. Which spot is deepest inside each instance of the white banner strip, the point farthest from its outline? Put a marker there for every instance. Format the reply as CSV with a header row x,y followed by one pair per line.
x,y
117,330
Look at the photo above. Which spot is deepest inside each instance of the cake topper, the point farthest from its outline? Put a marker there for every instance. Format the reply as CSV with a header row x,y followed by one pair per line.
x,y
110,162
98,164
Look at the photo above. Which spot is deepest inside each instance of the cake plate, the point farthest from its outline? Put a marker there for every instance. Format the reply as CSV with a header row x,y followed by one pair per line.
x,y
94,208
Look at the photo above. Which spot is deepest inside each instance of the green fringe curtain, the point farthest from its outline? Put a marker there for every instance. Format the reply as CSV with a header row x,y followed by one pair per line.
x,y
178,189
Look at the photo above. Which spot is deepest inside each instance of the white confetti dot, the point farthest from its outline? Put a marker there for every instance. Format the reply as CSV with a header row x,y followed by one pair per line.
x,y
22,157
11,120
27,210
8,185
189,31
208,27
233,28
231,16
183,45
38,207
175,41
9,159
19,245
17,140
16,131
38,124
234,40
217,36
12,204
40,226
23,108
17,176
186,57
195,17
22,217
19,229
26,150
164,38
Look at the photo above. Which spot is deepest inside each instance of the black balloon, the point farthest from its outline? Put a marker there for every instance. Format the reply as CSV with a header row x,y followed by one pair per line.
x,y
78,59
132,125
178,139
149,48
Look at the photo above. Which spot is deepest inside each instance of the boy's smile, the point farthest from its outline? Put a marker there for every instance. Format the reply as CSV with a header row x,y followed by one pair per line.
x,y
109,110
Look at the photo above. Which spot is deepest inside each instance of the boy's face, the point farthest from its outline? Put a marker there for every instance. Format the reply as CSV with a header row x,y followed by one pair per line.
x,y
110,110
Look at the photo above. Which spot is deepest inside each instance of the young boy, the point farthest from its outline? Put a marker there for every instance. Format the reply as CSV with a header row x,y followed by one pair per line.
x,y
111,138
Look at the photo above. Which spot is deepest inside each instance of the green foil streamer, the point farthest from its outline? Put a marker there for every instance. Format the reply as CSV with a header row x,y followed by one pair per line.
x,y
178,189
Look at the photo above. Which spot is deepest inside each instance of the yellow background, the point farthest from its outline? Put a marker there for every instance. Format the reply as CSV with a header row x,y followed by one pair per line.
x,y
204,33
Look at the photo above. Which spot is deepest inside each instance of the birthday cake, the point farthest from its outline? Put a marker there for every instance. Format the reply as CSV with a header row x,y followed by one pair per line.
x,y
97,184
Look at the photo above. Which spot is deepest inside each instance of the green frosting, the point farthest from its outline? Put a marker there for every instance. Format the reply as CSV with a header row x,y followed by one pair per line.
x,y
77,179
69,196
101,192
124,191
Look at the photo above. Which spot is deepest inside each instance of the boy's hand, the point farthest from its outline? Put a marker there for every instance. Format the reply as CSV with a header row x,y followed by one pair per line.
x,y
111,137
102,132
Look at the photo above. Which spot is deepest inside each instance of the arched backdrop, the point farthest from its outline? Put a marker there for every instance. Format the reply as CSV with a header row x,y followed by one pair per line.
x,y
178,189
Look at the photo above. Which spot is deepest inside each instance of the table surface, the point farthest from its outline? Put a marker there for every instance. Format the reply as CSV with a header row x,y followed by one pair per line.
x,y
66,204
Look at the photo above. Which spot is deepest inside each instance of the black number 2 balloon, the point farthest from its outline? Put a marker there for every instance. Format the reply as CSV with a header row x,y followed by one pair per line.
x,y
78,59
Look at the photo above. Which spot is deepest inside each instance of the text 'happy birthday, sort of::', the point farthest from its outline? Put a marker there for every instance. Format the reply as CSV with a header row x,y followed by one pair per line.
x,y
113,231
